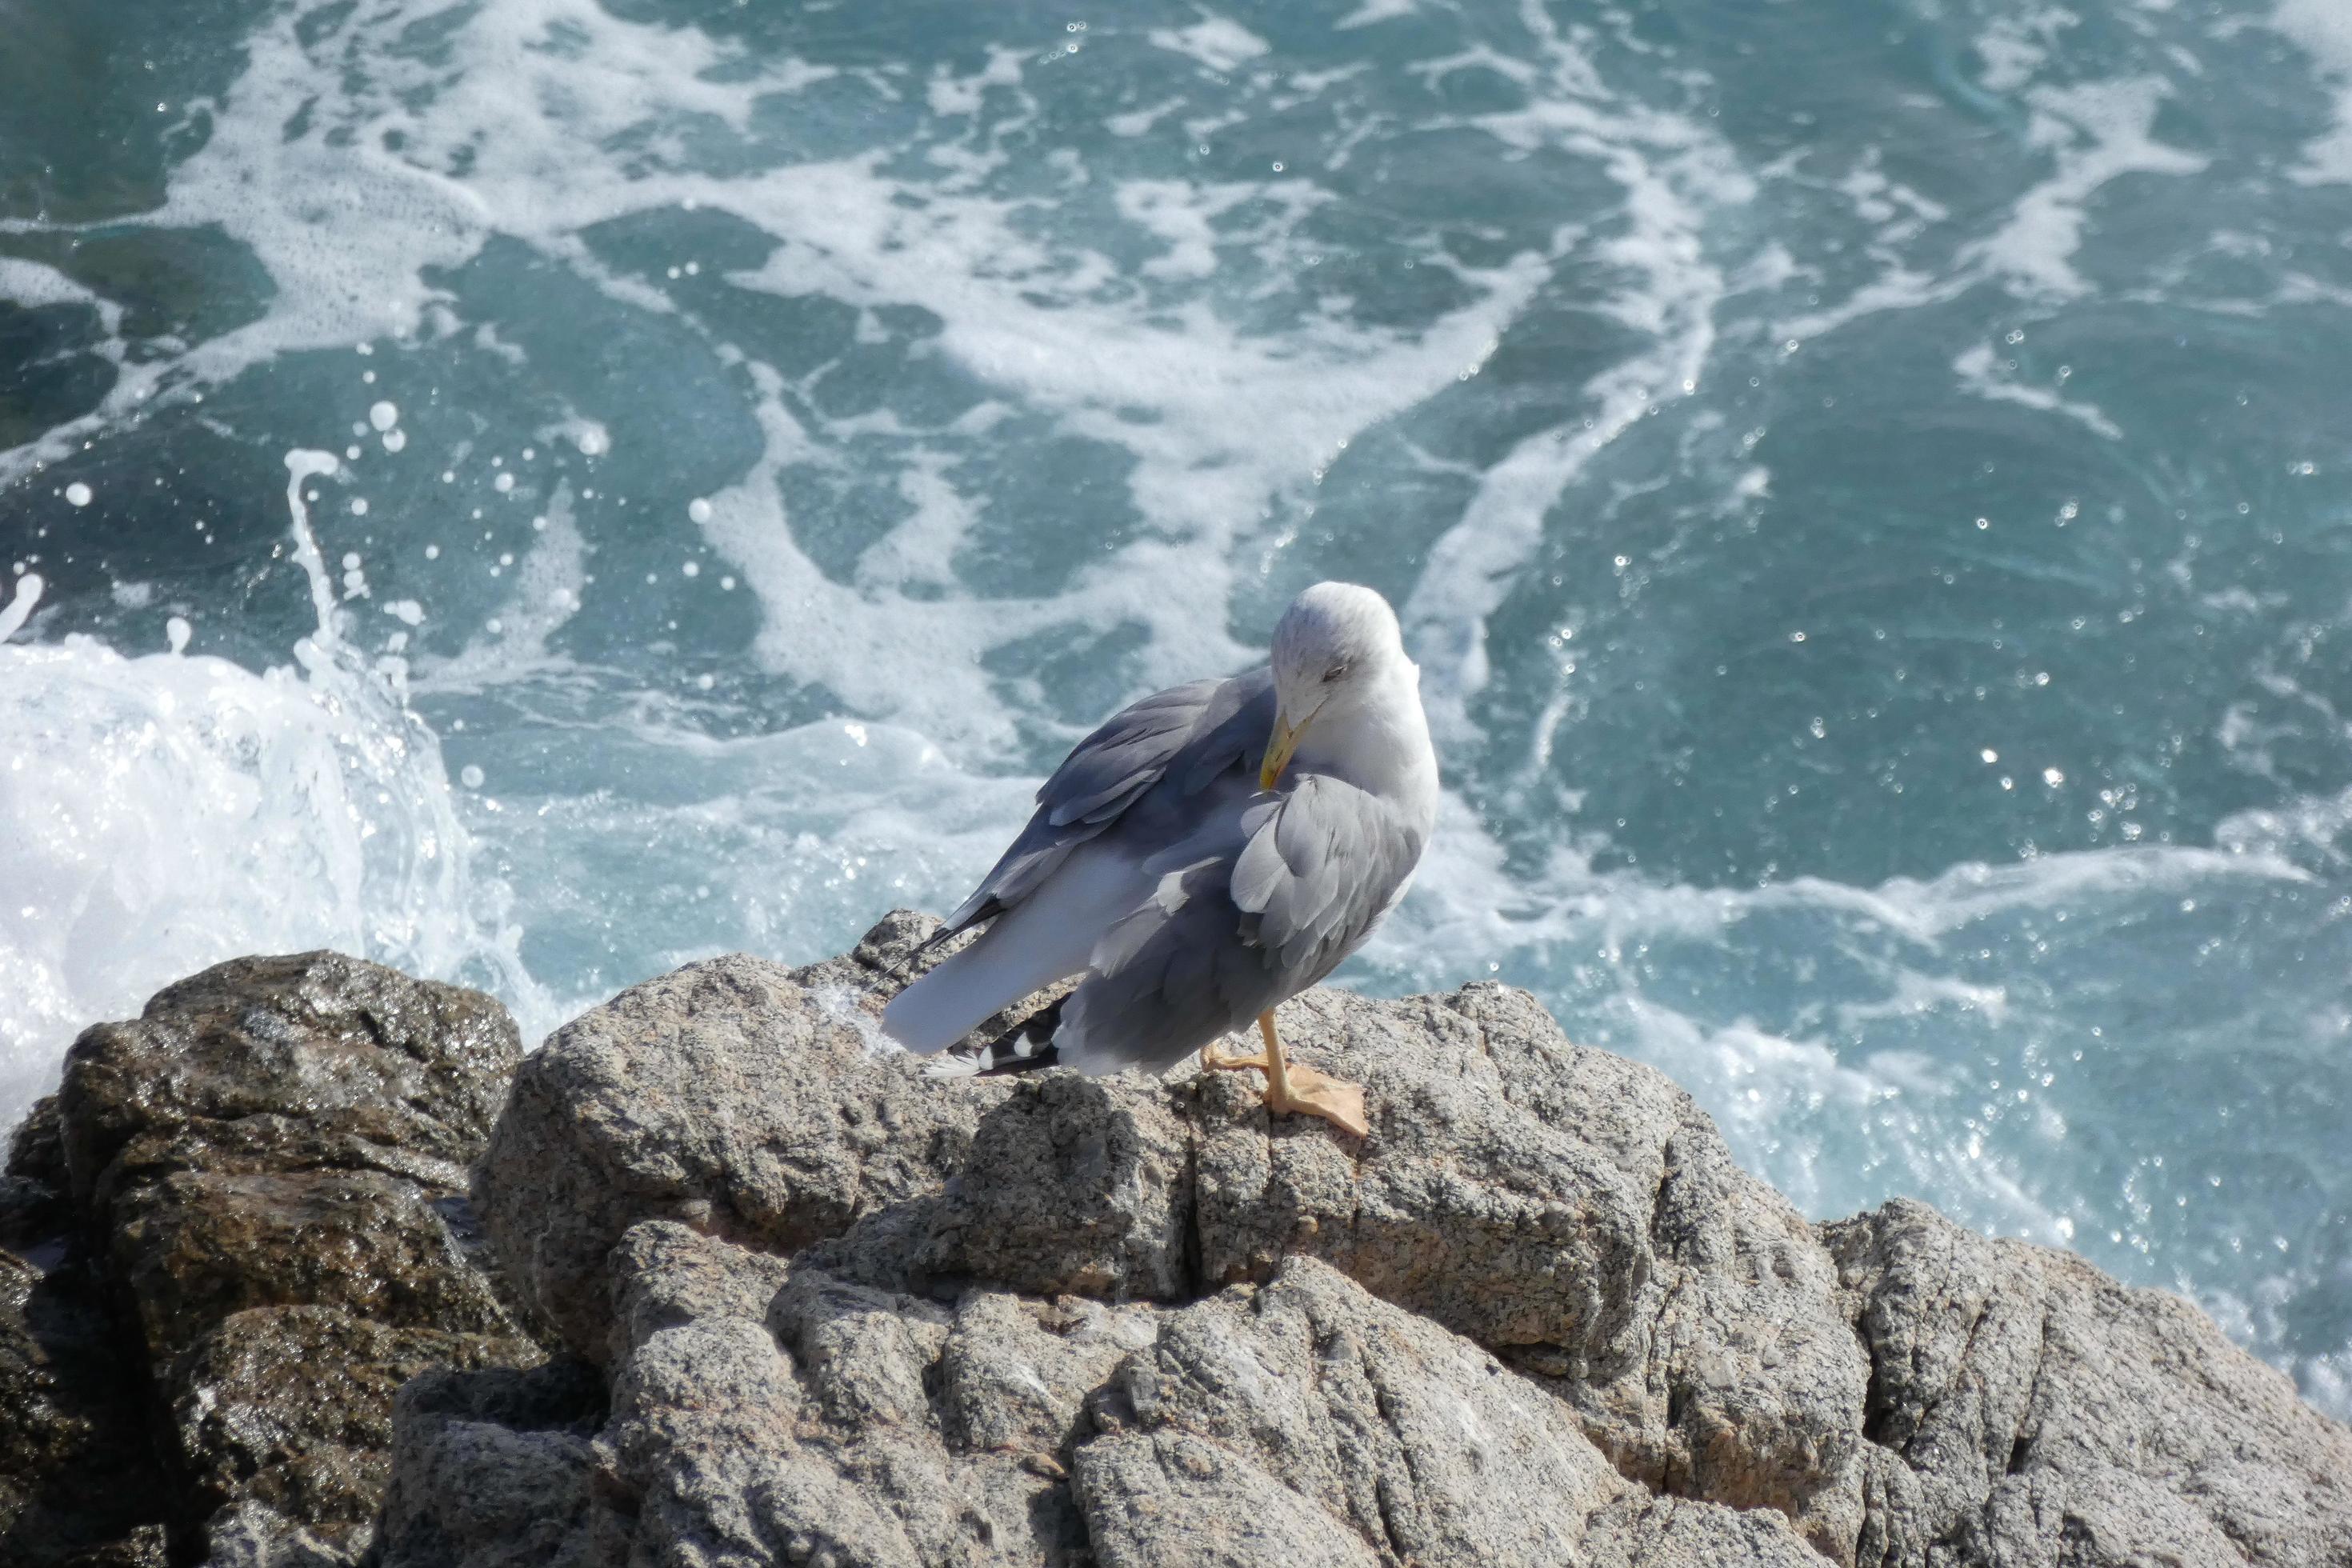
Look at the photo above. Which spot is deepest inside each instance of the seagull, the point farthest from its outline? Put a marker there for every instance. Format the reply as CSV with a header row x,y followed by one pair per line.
x,y
1204,856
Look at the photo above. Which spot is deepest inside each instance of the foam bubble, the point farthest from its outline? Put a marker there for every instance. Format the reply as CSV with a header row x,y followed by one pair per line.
x,y
78,494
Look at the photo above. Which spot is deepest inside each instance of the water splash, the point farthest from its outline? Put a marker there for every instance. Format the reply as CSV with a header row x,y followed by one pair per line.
x,y
171,811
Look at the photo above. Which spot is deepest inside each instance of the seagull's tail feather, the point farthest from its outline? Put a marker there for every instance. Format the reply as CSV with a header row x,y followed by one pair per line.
x,y
944,1005
1045,938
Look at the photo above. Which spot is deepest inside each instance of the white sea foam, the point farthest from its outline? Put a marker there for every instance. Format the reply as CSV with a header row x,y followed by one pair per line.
x,y
2092,133
349,232
2323,29
1667,289
1981,372
168,812
2095,133
787,844
1375,11
25,282
1219,43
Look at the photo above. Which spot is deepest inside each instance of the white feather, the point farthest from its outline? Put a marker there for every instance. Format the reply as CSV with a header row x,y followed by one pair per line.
x,y
1047,937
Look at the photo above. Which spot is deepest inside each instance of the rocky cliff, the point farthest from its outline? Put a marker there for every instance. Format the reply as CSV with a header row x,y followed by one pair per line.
x,y
805,1306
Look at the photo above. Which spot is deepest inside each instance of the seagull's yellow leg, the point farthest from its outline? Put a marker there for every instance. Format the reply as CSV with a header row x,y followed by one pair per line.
x,y
1214,1058
1290,1090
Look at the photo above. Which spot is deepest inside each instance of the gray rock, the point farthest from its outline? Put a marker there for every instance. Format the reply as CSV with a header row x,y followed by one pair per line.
x,y
1571,1210
79,1482
290,1408
1414,1440
1666,1532
829,1311
913,1291
1365,1433
1167,1501
256,1063
799,1429
33,1206
1016,1372
268,1168
727,1095
493,1469
1576,1214
195,1248
768,1411
1073,1185
2043,1414
249,1534
866,1352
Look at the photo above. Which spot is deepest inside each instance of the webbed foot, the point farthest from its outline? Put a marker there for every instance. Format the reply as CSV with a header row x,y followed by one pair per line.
x,y
1292,1089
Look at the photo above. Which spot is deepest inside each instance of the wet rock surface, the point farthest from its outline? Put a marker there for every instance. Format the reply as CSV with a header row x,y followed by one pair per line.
x,y
254,1201
809,1306
78,1480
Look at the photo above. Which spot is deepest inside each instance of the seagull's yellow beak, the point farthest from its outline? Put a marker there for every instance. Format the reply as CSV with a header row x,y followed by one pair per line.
x,y
1278,747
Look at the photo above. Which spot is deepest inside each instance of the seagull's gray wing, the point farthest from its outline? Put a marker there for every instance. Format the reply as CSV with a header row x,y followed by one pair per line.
x,y
1241,919
1172,742
1319,873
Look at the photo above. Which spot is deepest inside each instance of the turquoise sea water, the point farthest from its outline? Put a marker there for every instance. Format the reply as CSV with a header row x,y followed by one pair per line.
x,y
1869,485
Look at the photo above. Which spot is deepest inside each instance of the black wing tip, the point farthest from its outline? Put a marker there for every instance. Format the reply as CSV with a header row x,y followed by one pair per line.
x,y
970,912
1028,1046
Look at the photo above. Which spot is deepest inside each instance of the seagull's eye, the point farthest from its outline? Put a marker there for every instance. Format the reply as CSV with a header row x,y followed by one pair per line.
x,y
1334,673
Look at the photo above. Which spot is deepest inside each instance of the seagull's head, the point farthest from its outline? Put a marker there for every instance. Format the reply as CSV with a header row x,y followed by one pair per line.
x,y
1336,645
